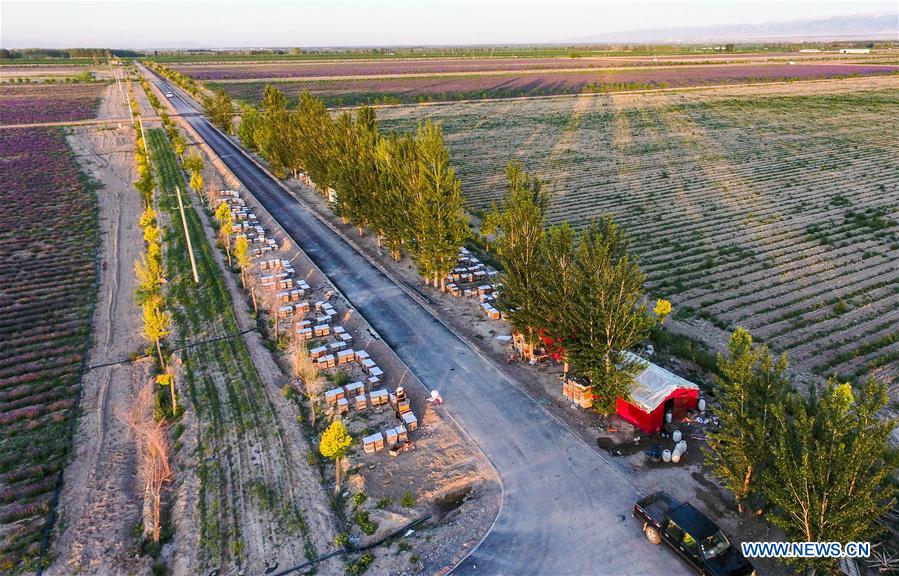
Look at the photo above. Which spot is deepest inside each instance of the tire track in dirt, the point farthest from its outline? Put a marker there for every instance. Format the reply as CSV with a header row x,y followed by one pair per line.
x,y
98,503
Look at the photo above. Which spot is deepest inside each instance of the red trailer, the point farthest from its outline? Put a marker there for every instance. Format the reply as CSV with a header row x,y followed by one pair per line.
x,y
654,392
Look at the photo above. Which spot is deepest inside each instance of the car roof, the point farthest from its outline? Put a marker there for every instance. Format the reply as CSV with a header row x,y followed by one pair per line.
x,y
692,521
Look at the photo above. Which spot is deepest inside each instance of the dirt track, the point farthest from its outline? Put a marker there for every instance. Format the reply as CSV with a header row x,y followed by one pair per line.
x,y
98,508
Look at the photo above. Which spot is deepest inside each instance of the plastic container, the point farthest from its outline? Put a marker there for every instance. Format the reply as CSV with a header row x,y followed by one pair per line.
x,y
675,458
668,417
676,436
701,405
666,455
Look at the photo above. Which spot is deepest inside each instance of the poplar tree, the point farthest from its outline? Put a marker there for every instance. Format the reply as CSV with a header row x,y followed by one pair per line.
x,y
830,469
272,137
157,324
395,158
250,122
335,444
438,223
357,181
226,226
750,384
242,255
315,139
606,314
517,223
557,286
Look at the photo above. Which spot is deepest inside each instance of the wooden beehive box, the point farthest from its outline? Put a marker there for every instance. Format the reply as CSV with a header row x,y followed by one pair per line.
x,y
379,397
354,389
333,395
373,443
578,392
410,421
391,436
327,361
345,356
361,402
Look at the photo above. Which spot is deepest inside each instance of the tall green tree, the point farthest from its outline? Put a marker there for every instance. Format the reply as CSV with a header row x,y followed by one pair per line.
x,y
750,385
250,122
357,180
438,224
220,110
273,136
315,140
518,225
830,466
557,286
395,160
607,315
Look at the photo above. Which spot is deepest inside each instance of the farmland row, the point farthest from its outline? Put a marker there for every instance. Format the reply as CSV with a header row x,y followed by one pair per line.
x,y
413,89
49,274
301,69
745,211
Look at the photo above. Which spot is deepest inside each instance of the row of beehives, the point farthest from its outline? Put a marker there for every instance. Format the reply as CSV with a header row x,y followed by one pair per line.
x,y
332,342
246,223
472,278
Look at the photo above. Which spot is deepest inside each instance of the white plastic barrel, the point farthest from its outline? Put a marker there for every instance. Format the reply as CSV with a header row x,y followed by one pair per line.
x,y
676,436
702,404
675,457
666,455
668,417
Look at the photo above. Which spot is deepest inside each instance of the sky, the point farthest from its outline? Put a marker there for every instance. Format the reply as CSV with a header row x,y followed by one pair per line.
x,y
221,24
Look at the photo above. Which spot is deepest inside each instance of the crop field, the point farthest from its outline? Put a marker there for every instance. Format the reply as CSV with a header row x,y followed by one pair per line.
x,y
48,277
452,66
774,209
25,104
356,90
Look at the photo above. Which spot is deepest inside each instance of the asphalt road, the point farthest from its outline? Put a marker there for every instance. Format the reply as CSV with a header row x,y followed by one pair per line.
x,y
565,510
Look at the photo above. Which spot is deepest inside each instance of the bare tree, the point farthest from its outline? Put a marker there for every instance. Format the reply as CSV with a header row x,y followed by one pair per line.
x,y
152,440
307,372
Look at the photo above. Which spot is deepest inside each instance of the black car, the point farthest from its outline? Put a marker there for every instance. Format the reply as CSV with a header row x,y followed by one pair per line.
x,y
691,534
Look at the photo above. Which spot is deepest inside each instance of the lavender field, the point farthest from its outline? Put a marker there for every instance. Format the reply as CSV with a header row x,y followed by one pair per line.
x,y
25,104
287,69
48,274
412,89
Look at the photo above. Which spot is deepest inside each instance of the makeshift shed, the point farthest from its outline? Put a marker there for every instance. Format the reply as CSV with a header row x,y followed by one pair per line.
x,y
654,392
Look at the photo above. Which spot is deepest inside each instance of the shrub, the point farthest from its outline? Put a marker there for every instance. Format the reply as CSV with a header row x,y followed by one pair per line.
x,y
408,500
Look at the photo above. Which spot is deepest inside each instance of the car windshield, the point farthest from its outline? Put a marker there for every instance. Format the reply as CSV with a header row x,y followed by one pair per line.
x,y
714,545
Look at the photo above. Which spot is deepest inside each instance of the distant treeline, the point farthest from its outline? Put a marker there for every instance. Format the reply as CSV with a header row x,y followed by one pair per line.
x,y
46,53
511,51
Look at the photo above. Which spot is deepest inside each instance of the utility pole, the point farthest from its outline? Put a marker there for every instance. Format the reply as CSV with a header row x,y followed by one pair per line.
x,y
190,250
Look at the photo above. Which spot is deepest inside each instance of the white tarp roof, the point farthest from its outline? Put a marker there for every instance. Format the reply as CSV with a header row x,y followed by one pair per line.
x,y
654,384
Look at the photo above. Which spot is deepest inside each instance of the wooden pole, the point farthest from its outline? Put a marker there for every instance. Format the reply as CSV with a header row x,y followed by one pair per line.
x,y
190,250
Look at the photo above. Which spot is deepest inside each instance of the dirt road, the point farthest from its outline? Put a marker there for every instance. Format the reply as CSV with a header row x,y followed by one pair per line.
x,y
98,508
